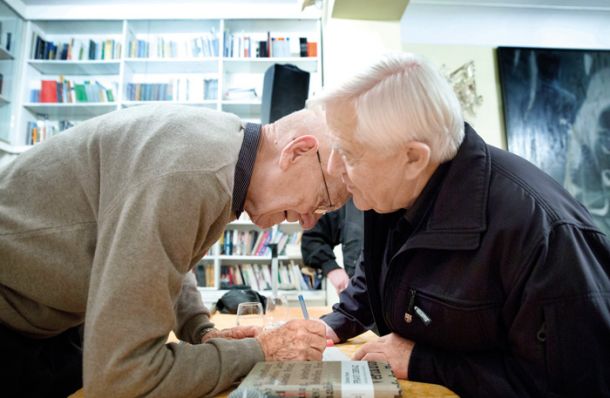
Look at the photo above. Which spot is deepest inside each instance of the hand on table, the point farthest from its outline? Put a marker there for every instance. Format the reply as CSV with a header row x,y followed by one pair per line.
x,y
390,348
237,332
295,340
339,279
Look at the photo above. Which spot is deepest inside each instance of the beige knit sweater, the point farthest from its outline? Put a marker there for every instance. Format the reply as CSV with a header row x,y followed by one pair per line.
x,y
101,224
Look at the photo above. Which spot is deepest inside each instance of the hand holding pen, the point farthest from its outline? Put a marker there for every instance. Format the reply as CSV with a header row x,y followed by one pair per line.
x,y
331,336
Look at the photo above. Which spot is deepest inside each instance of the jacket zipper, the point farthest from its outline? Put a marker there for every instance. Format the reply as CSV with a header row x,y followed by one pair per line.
x,y
413,309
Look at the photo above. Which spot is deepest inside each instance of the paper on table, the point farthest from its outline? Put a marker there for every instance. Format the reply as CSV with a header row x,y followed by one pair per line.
x,y
334,354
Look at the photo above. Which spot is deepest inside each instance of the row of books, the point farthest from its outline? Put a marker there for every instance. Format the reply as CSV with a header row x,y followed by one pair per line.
x,y
205,45
204,272
236,45
68,91
255,243
258,277
76,49
182,89
40,130
262,45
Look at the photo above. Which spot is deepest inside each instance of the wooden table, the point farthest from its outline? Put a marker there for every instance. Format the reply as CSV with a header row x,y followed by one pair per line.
x,y
410,389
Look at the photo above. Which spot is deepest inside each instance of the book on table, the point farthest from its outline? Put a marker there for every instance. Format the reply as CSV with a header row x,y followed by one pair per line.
x,y
346,379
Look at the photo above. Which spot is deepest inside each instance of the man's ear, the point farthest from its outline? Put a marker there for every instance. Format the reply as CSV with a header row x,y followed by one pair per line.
x,y
417,158
296,149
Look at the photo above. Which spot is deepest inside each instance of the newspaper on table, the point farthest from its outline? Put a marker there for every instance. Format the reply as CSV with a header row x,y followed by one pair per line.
x,y
346,379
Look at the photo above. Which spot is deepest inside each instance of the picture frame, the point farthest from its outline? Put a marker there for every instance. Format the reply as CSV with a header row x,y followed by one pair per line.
x,y
556,105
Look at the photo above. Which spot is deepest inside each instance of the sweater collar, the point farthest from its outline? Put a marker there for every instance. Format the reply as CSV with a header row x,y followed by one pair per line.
x,y
245,166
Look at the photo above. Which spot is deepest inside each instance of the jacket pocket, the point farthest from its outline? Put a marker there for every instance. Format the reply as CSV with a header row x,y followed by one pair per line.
x,y
445,322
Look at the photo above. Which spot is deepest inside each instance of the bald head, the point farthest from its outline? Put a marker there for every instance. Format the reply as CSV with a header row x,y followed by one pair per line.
x,y
289,180
297,124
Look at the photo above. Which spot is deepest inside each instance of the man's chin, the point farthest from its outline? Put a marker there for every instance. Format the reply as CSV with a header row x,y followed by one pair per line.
x,y
361,205
384,211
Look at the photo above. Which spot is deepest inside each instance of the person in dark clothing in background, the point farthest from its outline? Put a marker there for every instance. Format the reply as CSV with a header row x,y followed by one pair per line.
x,y
479,271
344,227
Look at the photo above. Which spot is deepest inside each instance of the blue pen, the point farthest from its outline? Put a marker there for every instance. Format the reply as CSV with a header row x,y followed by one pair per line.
x,y
303,307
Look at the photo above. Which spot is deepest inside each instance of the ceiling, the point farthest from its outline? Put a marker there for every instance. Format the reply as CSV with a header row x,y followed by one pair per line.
x,y
105,2
352,9
602,4
571,4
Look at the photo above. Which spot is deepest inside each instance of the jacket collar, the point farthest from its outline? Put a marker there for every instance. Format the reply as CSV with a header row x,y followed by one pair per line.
x,y
459,215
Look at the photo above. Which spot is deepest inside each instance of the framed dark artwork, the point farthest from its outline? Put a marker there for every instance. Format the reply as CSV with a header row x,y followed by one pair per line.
x,y
557,116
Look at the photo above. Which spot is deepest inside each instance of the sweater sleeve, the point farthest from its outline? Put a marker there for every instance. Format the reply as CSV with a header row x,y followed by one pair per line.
x,y
145,246
191,314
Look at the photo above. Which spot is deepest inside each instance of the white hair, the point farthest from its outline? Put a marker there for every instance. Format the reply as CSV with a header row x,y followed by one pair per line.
x,y
399,99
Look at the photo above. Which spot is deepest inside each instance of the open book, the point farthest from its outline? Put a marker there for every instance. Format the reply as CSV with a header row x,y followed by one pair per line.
x,y
351,379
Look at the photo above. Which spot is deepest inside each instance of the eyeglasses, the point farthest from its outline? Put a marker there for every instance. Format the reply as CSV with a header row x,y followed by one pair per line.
x,y
330,207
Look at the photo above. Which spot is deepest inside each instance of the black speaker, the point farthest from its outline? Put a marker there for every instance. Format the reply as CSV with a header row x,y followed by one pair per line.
x,y
285,90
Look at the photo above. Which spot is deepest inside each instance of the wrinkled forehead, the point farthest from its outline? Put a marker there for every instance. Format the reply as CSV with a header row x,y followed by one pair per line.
x,y
341,119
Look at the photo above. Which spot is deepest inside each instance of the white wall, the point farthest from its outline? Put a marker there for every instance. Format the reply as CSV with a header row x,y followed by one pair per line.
x,y
487,120
495,26
350,45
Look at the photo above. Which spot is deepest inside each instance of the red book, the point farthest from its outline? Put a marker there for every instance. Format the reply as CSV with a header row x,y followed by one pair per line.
x,y
48,91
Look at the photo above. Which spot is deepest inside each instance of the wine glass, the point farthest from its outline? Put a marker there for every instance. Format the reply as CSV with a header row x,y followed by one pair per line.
x,y
277,312
250,314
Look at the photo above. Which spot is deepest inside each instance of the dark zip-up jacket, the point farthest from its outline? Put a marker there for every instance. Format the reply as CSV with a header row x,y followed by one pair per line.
x,y
509,272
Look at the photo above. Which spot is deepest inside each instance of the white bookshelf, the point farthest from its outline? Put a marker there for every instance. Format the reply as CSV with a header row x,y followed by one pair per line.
x,y
260,65
159,62
204,103
173,65
70,110
216,261
69,67
78,69
11,40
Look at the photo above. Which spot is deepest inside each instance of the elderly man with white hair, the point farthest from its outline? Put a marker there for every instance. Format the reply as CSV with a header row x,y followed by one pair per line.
x,y
478,270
